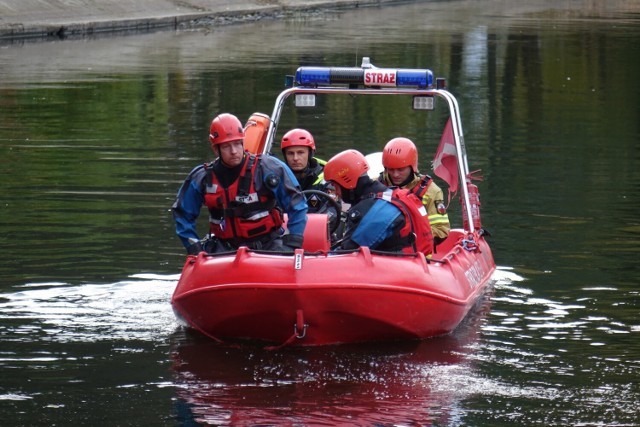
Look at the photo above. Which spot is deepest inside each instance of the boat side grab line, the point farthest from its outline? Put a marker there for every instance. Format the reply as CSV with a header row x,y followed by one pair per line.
x,y
296,326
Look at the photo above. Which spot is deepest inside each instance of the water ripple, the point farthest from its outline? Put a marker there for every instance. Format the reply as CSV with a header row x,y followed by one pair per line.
x,y
134,309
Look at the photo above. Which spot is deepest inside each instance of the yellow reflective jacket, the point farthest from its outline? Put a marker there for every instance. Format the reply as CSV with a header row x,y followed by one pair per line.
x,y
431,195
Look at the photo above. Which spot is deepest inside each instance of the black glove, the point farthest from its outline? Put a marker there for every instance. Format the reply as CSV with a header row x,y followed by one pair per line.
x,y
294,241
194,248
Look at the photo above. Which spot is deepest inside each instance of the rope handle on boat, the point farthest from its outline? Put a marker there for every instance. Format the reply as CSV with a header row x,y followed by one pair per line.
x,y
299,325
469,244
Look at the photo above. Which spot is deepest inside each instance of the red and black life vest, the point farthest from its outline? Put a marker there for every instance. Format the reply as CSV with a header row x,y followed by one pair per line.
x,y
239,212
416,232
421,188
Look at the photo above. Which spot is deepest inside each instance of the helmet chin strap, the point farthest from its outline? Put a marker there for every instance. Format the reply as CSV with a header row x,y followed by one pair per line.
x,y
351,196
410,178
347,195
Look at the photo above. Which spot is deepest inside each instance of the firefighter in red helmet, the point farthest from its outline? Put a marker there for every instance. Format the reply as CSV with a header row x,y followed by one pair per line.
x,y
400,161
245,195
298,149
379,217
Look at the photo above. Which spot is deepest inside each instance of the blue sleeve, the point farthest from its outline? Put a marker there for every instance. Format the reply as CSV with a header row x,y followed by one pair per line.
x,y
376,225
186,208
287,192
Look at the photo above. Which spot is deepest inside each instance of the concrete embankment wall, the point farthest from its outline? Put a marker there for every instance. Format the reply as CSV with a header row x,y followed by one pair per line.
x,y
31,19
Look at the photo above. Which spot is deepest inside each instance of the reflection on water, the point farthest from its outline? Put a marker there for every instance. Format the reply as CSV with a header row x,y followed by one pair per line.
x,y
385,385
371,384
223,385
430,382
422,383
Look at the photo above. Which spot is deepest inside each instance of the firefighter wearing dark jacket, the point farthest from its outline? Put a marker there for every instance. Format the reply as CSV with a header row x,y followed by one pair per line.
x,y
245,195
380,218
400,161
298,149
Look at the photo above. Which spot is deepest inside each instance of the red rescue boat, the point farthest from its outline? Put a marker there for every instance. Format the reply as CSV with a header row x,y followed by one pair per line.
x,y
319,296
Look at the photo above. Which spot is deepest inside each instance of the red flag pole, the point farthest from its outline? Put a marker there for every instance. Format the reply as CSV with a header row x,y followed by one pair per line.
x,y
454,123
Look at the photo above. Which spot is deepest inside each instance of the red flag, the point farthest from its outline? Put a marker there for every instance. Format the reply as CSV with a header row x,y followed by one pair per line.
x,y
445,162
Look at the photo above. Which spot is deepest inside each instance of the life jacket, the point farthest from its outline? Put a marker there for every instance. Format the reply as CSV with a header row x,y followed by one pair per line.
x,y
239,212
439,220
418,183
421,188
416,232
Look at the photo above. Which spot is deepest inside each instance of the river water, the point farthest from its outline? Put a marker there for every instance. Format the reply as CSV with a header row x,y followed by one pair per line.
x,y
96,136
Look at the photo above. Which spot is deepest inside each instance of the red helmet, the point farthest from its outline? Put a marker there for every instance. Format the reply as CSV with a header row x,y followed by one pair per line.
x,y
345,168
299,138
399,153
225,128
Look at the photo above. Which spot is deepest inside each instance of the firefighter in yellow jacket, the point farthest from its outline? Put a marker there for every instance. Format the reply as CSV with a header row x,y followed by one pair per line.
x,y
400,161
